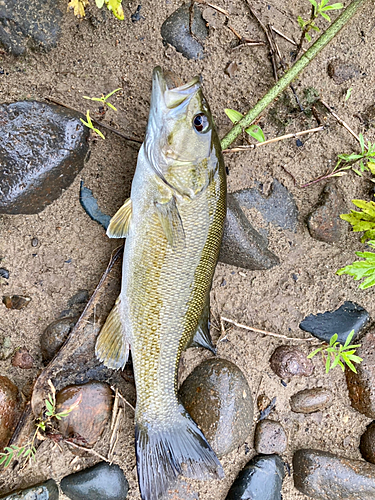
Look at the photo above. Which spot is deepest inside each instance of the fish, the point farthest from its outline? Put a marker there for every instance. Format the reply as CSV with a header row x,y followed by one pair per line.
x,y
173,224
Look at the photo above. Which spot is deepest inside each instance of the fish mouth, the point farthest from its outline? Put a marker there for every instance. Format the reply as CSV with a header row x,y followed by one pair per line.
x,y
169,87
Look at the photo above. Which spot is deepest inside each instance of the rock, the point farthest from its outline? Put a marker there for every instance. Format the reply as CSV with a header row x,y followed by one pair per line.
x,y
350,316
261,479
101,482
242,245
55,335
265,413
270,438
8,410
218,398
4,273
44,491
361,385
92,407
6,348
90,206
277,205
81,297
42,149
34,24
22,359
15,301
322,475
311,400
367,443
34,242
289,361
341,71
175,31
324,221
263,402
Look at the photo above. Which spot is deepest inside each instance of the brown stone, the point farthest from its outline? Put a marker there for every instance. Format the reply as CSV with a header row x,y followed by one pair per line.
x,y
16,301
341,71
55,335
22,359
270,437
367,444
289,361
92,407
311,400
8,410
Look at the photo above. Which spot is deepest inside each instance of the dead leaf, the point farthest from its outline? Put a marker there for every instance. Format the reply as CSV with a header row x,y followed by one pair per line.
x,y
231,69
78,7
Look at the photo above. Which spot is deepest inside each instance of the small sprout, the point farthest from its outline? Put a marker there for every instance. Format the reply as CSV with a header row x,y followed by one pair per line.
x,y
362,268
348,94
114,6
254,130
90,125
334,353
103,99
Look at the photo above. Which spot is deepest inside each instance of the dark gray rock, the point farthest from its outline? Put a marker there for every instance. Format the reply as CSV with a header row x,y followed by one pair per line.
x,y
55,335
81,297
270,438
9,410
324,221
350,316
218,398
289,361
311,400
42,149
367,443
33,23
44,491
4,273
242,245
277,206
361,385
341,71
325,476
261,479
101,482
175,31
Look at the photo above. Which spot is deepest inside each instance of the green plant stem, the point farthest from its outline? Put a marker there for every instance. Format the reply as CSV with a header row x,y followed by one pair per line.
x,y
294,71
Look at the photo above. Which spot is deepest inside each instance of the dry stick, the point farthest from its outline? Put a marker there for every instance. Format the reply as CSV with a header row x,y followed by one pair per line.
x,y
115,408
114,435
89,450
344,124
100,124
294,71
275,139
125,400
264,332
283,36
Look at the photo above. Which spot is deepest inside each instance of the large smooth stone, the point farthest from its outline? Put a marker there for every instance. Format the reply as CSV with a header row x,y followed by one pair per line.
x,y
289,361
242,245
101,482
261,479
31,23
324,221
42,149
361,385
350,316
175,31
311,400
217,396
92,408
45,491
8,410
322,475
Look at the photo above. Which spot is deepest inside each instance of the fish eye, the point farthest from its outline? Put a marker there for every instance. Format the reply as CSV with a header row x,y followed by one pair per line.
x,y
201,123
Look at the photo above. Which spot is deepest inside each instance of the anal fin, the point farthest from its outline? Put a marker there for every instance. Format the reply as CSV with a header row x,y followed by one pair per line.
x,y
112,347
120,222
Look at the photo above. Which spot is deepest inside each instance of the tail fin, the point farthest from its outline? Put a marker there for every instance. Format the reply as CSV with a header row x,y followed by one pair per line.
x,y
166,450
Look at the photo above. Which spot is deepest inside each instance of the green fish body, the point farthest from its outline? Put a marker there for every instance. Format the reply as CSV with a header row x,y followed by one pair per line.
x,y
173,223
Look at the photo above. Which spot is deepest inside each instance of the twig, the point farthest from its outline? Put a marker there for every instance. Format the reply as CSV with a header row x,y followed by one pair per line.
x,y
264,332
114,435
341,122
89,450
294,71
283,36
114,409
100,124
125,400
215,7
275,139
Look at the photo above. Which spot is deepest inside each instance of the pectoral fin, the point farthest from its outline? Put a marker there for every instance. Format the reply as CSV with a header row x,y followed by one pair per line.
x,y
171,222
202,337
120,222
112,347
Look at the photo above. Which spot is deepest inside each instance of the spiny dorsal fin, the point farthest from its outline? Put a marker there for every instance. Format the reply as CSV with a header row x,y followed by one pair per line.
x,y
171,222
112,347
120,222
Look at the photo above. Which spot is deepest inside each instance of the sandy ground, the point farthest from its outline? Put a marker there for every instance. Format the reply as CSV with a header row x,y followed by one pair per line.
x,y
95,57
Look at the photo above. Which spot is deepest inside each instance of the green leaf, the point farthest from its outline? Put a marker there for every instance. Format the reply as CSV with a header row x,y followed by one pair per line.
x,y
328,364
233,115
356,359
49,406
3,458
349,338
110,105
334,6
351,366
312,354
111,93
348,93
301,22
308,37
116,8
315,27
8,460
99,3
256,132
342,365
335,362
333,339
326,16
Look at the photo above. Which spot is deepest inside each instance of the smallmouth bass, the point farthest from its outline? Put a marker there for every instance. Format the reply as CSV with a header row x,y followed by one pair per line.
x,y
173,223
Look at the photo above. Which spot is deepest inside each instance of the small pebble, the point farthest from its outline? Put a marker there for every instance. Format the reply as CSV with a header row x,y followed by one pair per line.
x,y
4,273
263,401
311,400
34,242
81,297
22,359
270,438
6,348
16,301
341,71
289,361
